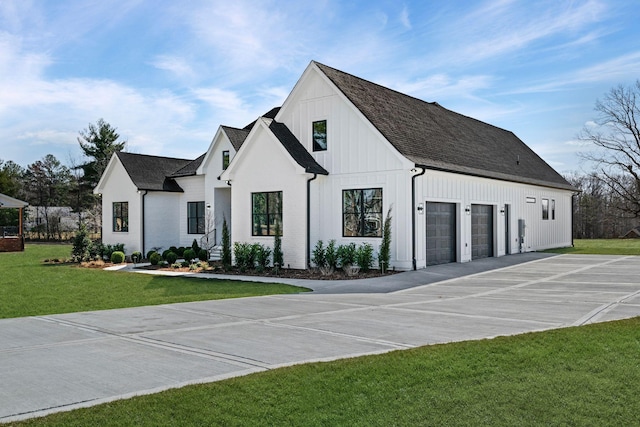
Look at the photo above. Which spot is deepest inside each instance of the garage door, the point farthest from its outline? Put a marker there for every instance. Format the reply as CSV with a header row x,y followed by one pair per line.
x,y
481,231
441,233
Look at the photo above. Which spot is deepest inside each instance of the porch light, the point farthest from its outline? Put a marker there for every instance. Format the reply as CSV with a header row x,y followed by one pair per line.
x,y
467,209
502,211
420,208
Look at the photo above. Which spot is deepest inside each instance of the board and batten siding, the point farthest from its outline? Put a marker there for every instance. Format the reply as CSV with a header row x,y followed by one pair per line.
x,y
161,210
464,191
193,187
120,188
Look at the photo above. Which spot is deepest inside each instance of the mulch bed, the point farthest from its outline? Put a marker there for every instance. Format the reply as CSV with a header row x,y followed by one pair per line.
x,y
287,273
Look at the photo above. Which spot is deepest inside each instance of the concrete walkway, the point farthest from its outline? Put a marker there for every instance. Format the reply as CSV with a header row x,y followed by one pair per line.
x,y
61,362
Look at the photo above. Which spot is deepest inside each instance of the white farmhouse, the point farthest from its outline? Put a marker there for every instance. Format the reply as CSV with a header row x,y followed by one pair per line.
x,y
329,164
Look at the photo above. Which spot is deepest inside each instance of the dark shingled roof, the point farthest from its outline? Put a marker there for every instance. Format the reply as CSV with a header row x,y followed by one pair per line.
x,y
151,172
271,114
436,138
236,136
296,149
189,169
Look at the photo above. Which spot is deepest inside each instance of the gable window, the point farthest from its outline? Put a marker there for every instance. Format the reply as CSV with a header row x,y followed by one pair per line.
x,y
362,212
225,159
553,209
266,211
120,216
195,217
545,209
320,135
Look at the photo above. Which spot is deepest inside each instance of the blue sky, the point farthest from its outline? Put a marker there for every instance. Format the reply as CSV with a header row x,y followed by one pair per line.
x,y
168,73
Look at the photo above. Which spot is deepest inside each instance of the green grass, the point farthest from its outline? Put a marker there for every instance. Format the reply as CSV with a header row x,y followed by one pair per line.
x,y
602,247
28,287
588,375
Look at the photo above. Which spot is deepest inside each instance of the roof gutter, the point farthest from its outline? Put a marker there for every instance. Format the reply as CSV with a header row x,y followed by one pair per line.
x,y
413,215
144,253
308,254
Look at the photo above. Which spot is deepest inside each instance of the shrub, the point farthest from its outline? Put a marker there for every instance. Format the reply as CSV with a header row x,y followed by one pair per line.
x,y
81,244
117,257
319,257
347,254
331,254
203,255
170,257
189,254
262,254
176,265
180,251
155,258
173,249
151,252
278,256
164,253
384,256
364,256
185,264
226,244
195,247
107,250
245,255
136,257
96,249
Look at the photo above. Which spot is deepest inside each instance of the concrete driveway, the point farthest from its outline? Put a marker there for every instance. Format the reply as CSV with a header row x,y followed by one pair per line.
x,y
62,362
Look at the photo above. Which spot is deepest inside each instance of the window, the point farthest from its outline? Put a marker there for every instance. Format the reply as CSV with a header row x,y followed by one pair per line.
x,y
225,159
320,135
120,216
362,212
267,210
531,199
553,209
195,217
545,208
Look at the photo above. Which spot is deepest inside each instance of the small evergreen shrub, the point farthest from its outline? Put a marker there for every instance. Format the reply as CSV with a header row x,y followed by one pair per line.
x,y
384,255
347,254
176,265
319,256
170,257
136,257
164,253
226,245
278,256
364,256
81,245
195,247
203,255
245,255
185,264
173,249
189,254
117,257
180,251
155,258
151,252
262,254
107,250
331,254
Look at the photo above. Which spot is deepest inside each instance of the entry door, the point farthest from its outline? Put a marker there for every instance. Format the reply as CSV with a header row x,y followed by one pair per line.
x,y
481,231
441,233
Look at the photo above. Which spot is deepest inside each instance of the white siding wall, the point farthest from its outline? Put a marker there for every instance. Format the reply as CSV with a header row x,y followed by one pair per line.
x,y
268,168
465,191
193,187
119,188
161,220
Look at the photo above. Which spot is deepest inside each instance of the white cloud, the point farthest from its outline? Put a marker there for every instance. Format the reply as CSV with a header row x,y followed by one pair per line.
x,y
179,67
404,18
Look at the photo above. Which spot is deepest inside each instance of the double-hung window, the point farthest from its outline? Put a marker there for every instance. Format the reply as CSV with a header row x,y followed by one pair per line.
x,y
362,212
266,209
195,217
120,216
225,159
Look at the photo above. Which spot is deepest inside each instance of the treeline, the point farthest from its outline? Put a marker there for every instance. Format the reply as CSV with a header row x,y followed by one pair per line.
x,y
60,196
599,211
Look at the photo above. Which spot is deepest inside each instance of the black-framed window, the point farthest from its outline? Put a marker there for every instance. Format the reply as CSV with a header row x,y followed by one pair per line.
x,y
266,209
553,209
319,134
120,216
362,212
195,217
225,159
545,209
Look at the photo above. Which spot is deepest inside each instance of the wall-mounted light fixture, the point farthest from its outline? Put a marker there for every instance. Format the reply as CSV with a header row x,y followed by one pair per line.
x,y
502,211
420,208
208,205
467,209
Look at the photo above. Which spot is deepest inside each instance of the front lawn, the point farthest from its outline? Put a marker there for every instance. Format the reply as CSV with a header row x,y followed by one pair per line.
x,y
602,247
28,287
588,375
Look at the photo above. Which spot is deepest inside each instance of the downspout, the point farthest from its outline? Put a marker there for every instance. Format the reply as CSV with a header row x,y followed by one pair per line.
x,y
307,262
413,216
144,253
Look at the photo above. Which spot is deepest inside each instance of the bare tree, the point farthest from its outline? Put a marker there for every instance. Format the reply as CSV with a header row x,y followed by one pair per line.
x,y
616,138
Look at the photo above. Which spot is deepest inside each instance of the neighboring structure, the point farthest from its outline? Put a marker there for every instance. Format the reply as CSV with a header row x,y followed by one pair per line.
x,y
12,238
329,164
634,233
